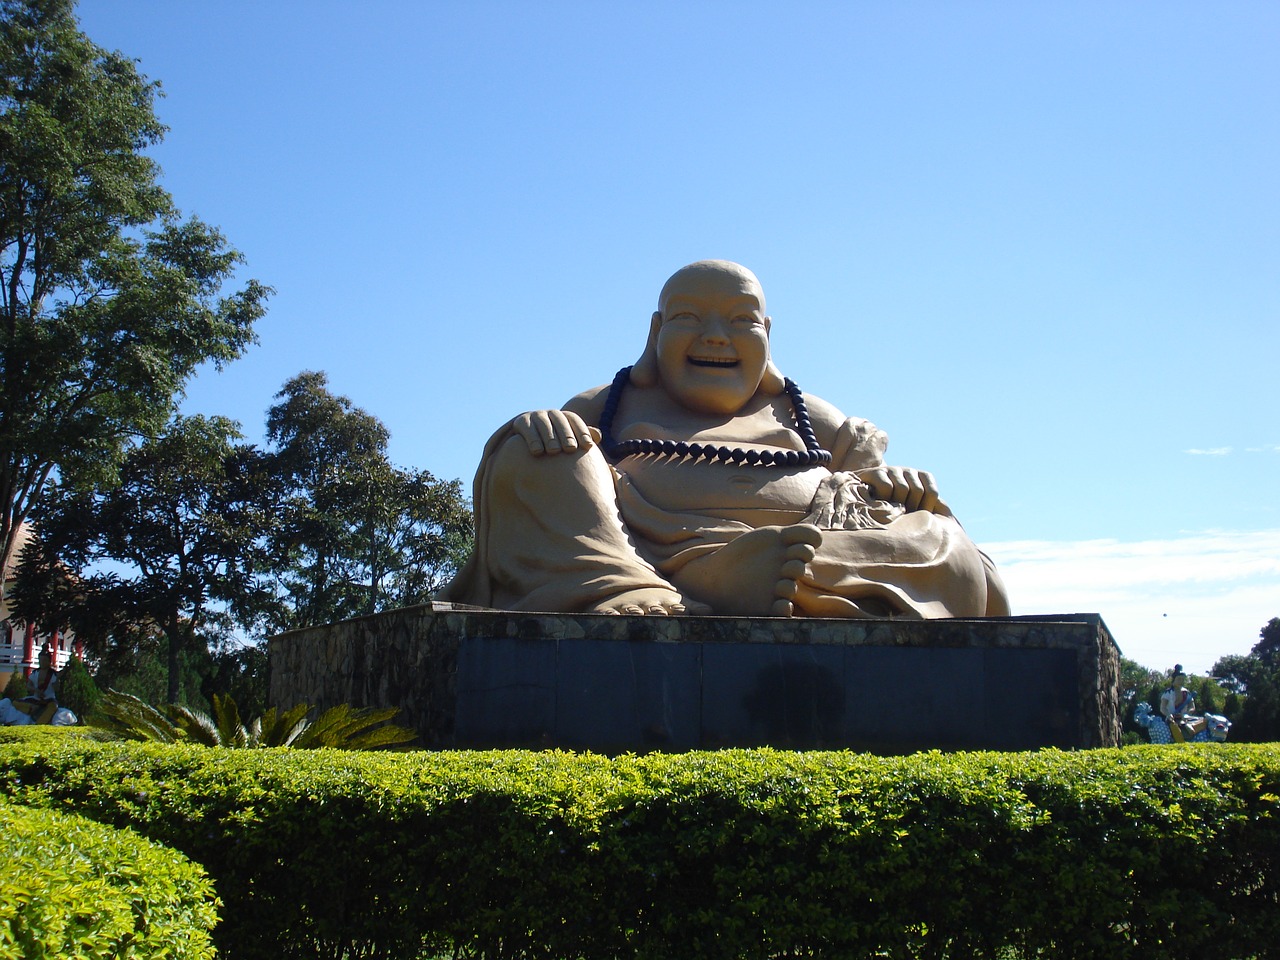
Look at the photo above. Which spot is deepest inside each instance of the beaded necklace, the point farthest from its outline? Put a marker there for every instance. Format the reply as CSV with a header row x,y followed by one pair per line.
x,y
617,449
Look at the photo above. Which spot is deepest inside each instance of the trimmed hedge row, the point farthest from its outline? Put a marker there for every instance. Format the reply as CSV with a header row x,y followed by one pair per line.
x,y
40,732
75,888
1146,852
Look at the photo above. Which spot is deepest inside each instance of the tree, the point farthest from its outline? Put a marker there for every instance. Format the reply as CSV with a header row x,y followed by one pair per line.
x,y
426,535
180,543
326,452
239,672
1257,678
356,533
1268,646
109,300
1137,684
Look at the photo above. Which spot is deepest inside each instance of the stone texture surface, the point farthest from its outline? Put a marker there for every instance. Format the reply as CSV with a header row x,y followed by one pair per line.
x,y
486,678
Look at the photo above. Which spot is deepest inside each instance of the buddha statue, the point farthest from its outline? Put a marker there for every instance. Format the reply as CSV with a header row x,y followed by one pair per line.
x,y
702,481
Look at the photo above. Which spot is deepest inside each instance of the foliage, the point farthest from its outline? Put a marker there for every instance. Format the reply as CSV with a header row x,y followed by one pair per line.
x,y
124,717
357,534
42,732
75,888
1256,678
76,689
1136,685
182,535
1259,719
1210,696
17,687
109,301
134,659
239,671
1140,853
348,728
1267,648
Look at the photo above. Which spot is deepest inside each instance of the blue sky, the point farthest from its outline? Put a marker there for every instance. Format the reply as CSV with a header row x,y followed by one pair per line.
x,y
1038,244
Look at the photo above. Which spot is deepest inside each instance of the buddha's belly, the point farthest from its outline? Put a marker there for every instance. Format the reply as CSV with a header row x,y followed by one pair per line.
x,y
755,495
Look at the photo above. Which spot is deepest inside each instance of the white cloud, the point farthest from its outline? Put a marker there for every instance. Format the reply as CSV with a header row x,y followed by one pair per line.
x,y
1209,452
1189,599
1273,448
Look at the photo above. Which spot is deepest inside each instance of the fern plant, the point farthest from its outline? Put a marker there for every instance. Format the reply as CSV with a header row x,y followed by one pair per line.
x,y
121,716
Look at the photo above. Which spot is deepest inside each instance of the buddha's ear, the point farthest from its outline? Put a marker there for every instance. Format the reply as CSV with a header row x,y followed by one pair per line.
x,y
645,371
771,383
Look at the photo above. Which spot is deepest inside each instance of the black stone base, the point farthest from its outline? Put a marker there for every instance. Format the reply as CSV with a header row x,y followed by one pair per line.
x,y
611,684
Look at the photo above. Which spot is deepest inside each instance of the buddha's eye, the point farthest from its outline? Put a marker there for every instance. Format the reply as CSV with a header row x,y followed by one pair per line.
x,y
684,317
745,319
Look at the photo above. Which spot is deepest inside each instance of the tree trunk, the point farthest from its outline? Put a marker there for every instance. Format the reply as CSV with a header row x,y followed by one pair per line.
x,y
175,647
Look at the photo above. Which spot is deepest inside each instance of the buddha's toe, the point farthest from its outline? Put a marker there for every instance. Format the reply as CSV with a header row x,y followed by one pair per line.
x,y
793,569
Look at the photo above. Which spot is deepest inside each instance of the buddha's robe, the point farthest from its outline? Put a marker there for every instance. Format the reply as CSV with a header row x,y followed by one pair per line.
x,y
565,532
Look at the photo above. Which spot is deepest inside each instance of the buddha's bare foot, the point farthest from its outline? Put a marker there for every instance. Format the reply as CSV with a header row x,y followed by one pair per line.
x,y
652,602
754,575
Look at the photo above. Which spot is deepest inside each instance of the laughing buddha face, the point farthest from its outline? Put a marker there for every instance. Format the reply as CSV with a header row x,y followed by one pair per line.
x,y
712,336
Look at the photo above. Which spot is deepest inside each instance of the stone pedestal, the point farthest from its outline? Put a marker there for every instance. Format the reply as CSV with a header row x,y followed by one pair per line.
x,y
468,678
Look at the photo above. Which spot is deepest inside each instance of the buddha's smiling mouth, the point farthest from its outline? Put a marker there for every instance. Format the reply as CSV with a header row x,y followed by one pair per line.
x,y
714,361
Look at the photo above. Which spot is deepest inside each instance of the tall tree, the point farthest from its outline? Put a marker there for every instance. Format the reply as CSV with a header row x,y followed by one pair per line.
x,y
356,533
109,300
426,534
1257,677
1268,646
179,542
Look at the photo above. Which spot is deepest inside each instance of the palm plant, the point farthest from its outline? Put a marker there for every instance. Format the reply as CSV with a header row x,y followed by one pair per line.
x,y
121,716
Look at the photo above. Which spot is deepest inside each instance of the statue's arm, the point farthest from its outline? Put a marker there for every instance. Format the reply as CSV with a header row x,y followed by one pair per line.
x,y
858,446
565,430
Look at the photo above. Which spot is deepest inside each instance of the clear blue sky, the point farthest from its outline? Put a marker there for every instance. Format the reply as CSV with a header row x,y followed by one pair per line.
x,y
1037,243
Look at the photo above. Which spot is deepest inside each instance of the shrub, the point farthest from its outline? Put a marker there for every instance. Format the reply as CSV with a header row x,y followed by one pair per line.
x,y
76,689
17,687
42,733
1146,852
75,888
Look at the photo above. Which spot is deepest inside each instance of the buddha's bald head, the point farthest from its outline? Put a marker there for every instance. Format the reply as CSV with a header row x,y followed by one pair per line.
x,y
704,271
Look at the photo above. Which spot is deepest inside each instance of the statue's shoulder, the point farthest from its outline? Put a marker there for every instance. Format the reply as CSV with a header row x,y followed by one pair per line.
x,y
589,404
854,442
826,417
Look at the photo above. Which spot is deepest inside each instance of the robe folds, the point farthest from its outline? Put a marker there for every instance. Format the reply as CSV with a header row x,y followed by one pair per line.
x,y
566,532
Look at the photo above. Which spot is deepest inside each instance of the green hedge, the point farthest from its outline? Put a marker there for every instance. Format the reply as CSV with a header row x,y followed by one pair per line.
x,y
1147,852
75,888
41,732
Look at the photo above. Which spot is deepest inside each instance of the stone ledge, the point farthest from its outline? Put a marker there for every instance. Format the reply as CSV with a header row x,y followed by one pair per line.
x,y
466,677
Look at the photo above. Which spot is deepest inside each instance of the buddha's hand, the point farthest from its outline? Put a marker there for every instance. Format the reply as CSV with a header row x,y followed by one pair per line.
x,y
841,502
845,502
914,489
553,431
